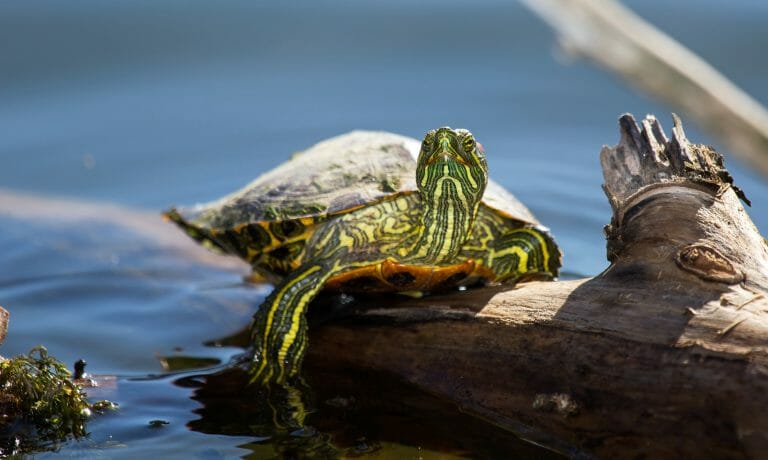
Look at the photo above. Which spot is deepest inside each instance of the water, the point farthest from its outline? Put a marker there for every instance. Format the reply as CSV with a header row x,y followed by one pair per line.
x,y
147,104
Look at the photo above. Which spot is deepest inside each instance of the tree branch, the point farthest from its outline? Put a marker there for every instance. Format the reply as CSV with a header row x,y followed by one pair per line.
x,y
619,41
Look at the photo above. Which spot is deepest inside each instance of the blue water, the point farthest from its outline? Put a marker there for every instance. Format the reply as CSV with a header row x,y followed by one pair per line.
x,y
147,104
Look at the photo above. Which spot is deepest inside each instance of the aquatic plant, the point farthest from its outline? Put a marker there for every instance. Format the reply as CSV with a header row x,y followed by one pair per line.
x,y
40,405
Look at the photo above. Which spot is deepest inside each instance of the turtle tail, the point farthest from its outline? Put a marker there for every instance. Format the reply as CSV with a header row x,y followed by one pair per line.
x,y
197,233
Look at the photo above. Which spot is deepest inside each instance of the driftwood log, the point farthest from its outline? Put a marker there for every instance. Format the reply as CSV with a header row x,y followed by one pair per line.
x,y
663,355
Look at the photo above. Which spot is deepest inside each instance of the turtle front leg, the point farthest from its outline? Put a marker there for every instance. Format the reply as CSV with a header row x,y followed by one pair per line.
x,y
524,252
279,328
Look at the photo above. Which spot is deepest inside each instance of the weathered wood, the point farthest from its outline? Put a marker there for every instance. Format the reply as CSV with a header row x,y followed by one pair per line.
x,y
664,354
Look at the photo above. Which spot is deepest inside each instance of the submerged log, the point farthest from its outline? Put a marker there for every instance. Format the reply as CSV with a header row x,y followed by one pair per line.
x,y
663,354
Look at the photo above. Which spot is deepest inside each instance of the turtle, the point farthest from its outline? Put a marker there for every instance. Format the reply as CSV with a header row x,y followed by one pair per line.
x,y
369,212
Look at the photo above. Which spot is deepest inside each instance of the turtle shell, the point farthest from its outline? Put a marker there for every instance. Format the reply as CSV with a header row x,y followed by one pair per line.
x,y
335,176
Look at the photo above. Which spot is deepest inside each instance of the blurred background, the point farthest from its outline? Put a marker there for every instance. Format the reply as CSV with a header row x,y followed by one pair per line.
x,y
148,104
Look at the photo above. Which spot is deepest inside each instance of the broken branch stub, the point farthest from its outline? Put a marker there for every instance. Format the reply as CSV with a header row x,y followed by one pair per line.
x,y
679,195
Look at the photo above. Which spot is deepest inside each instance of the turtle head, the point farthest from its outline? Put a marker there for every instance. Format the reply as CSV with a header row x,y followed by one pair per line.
x,y
452,165
451,175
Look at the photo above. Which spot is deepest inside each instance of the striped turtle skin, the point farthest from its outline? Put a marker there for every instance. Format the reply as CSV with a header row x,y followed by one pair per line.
x,y
369,212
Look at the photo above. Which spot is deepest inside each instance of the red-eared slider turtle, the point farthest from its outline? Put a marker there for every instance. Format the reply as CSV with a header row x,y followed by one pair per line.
x,y
361,212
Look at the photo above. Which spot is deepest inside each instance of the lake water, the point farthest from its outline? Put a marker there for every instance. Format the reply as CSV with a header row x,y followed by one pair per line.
x,y
147,104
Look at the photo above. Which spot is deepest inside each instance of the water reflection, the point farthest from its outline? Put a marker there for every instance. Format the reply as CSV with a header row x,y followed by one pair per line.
x,y
349,413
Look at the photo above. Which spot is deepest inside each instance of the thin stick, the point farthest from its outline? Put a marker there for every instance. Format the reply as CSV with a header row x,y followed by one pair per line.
x,y
620,41
722,332
755,297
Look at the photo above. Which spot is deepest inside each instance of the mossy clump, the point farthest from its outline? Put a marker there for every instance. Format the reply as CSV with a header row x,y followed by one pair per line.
x,y
39,403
